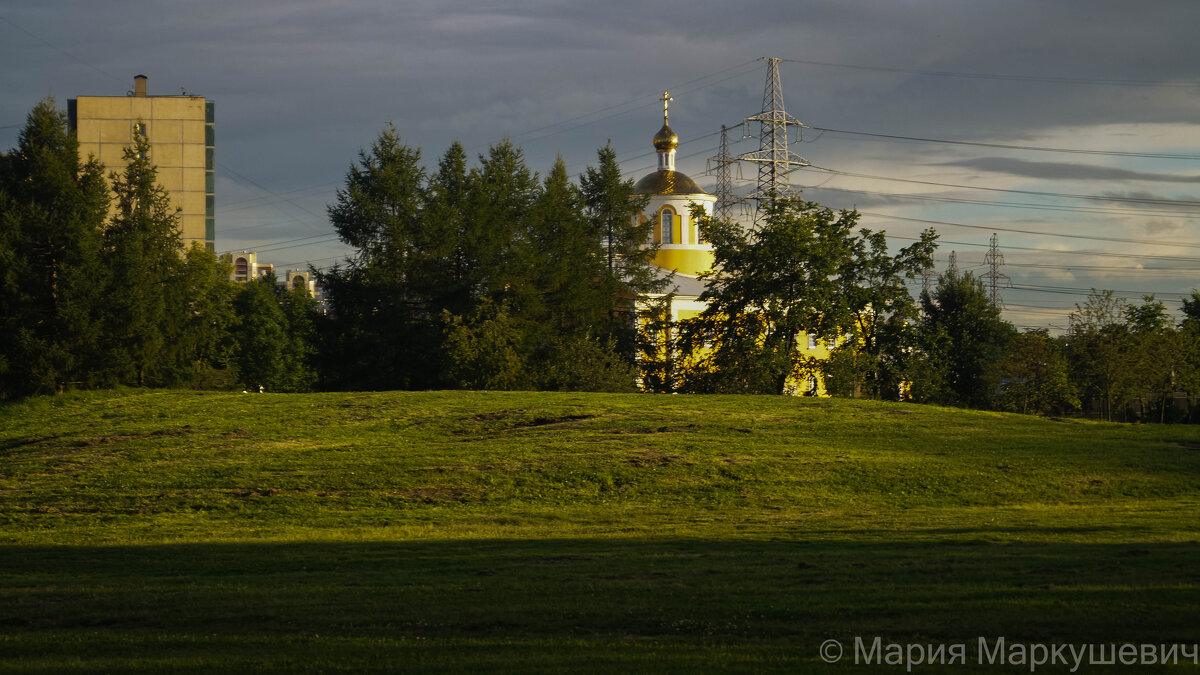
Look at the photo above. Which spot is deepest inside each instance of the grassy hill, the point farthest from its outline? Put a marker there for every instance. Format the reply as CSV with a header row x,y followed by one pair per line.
x,y
443,531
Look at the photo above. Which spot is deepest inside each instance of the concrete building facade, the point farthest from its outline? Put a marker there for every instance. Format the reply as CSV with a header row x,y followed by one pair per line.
x,y
182,141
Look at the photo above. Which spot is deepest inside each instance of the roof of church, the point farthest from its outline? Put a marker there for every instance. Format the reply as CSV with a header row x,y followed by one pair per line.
x,y
667,183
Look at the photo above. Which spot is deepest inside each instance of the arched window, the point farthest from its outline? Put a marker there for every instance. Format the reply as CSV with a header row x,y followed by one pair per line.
x,y
667,221
298,281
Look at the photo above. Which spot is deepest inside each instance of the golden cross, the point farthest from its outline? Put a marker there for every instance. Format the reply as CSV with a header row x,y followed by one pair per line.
x,y
666,99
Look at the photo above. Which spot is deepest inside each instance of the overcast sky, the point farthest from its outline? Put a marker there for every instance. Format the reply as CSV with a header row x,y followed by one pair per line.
x,y
300,87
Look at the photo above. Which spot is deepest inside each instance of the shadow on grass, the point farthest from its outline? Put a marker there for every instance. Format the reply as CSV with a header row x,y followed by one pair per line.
x,y
663,605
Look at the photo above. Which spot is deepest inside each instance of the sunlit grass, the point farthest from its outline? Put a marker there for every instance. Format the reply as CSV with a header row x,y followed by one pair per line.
x,y
178,531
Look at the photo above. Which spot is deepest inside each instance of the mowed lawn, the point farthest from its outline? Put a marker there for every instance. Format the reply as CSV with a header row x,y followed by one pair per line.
x,y
521,532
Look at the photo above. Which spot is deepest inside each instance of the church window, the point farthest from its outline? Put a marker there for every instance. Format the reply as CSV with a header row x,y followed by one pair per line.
x,y
668,226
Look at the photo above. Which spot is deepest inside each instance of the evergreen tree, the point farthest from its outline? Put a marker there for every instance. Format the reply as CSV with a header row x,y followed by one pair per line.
x,y
623,240
299,349
501,194
452,251
572,351
383,332
52,209
199,334
261,336
144,254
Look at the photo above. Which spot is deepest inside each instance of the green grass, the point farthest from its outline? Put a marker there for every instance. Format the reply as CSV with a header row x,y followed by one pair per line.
x,y
450,531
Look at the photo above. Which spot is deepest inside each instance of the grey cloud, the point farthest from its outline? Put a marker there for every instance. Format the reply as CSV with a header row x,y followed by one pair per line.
x,y
1067,171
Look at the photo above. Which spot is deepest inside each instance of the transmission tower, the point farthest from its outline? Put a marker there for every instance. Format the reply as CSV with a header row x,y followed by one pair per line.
x,y
927,277
720,167
774,159
994,259
952,268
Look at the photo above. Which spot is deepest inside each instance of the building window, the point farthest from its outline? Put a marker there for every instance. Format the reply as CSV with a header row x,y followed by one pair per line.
x,y
831,342
812,340
139,129
668,226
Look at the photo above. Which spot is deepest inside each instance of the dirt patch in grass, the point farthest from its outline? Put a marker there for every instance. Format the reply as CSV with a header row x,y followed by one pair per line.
x,y
654,430
548,421
440,494
109,439
653,459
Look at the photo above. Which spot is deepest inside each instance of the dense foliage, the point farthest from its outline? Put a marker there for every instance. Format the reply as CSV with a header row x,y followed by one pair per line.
x,y
485,277
97,289
489,276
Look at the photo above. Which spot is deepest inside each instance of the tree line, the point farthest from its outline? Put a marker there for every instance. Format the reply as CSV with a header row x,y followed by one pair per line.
x,y
486,275
97,290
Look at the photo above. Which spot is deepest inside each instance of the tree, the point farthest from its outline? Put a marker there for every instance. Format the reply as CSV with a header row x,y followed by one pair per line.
x,y
52,210
144,254
767,288
882,315
383,331
261,335
299,309
961,334
1189,331
1033,376
199,336
1101,352
623,239
485,350
1158,354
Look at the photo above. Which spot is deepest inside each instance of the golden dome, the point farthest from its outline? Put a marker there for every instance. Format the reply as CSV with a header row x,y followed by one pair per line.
x,y
666,139
667,183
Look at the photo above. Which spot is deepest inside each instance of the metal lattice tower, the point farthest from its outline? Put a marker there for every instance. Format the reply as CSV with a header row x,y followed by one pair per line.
x,y
774,159
952,268
927,277
994,259
720,167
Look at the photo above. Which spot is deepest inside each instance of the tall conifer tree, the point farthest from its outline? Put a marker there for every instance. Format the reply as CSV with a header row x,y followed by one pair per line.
x,y
144,254
52,209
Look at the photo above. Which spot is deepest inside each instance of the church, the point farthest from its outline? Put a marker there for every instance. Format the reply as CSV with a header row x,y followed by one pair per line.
x,y
682,249
671,196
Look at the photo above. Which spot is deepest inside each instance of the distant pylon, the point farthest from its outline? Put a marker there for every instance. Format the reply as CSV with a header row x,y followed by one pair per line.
x,y
952,268
719,166
774,159
994,259
927,277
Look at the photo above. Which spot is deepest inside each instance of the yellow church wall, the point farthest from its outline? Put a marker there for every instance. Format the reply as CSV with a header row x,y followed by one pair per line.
x,y
690,261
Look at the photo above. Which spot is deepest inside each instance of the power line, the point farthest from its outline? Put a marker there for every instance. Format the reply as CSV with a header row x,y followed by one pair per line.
x,y
1010,146
1109,254
1014,205
1131,200
61,50
1121,240
992,76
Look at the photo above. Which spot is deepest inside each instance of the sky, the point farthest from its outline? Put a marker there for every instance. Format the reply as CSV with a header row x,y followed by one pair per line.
x,y
1067,129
